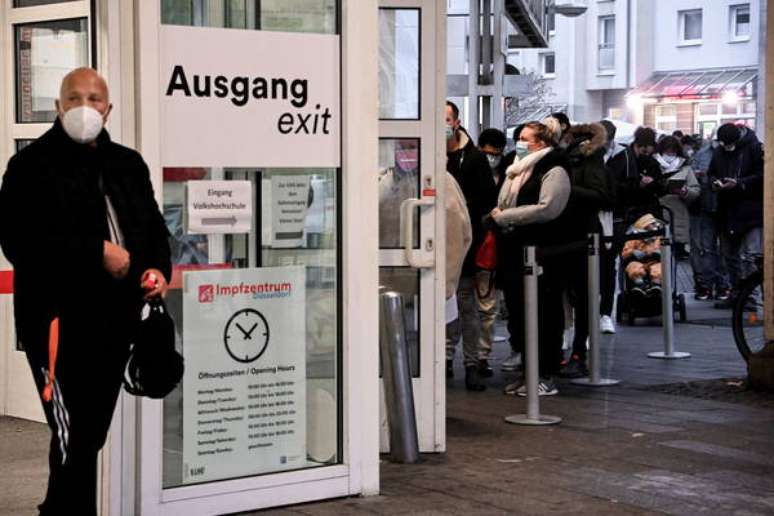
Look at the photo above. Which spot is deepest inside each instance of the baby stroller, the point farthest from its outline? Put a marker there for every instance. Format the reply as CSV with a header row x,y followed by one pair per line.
x,y
640,274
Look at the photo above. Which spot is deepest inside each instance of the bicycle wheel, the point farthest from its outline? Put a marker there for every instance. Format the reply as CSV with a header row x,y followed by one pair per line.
x,y
748,316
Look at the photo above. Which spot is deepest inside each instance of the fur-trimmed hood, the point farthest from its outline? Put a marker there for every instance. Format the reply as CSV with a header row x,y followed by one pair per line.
x,y
587,139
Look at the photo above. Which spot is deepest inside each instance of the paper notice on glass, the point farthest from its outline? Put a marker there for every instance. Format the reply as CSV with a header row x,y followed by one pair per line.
x,y
244,387
218,207
290,200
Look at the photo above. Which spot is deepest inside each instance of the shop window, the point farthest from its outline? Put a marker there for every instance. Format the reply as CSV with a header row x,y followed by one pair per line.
x,y
399,175
399,32
666,117
45,52
606,60
740,22
708,109
690,27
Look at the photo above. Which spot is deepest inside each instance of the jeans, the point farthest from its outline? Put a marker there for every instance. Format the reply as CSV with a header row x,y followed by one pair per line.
x,y
739,252
467,325
709,271
486,302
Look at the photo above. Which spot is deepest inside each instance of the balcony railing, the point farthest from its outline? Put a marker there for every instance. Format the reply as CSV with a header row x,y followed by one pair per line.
x,y
529,17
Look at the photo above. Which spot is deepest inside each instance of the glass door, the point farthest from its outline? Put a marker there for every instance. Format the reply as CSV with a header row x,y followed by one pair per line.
x,y
410,175
42,41
248,160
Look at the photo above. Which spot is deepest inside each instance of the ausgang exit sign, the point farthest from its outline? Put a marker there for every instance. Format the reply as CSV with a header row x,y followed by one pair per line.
x,y
247,98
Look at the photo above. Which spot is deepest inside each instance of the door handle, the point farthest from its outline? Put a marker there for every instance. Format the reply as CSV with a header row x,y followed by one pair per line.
x,y
413,258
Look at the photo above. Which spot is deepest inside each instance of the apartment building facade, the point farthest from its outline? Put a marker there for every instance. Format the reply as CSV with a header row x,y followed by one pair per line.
x,y
670,64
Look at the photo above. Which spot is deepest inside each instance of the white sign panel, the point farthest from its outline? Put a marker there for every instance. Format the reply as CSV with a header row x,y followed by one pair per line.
x,y
244,387
242,98
289,200
219,206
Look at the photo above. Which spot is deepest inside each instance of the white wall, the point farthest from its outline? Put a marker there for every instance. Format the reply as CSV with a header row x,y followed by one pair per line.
x,y
614,78
716,49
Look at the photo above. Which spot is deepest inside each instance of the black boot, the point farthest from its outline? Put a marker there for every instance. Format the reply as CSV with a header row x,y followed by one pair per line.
x,y
449,369
484,371
473,380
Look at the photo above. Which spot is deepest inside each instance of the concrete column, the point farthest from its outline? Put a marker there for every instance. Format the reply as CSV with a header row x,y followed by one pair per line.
x,y
474,55
486,62
768,213
498,113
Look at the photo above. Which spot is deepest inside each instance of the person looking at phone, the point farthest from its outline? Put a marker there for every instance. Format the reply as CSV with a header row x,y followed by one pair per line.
x,y
736,174
681,188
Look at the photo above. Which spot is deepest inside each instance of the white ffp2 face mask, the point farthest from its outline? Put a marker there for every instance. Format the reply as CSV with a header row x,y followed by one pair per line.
x,y
83,124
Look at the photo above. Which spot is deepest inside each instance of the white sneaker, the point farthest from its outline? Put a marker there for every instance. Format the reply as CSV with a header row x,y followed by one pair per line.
x,y
546,387
606,325
567,337
511,363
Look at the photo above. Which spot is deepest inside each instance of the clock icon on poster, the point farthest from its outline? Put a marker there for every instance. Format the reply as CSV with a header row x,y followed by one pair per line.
x,y
246,335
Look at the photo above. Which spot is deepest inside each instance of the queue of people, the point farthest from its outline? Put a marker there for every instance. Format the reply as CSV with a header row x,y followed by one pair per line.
x,y
564,181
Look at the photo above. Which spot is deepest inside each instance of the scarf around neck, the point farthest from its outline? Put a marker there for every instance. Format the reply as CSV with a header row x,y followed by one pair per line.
x,y
516,175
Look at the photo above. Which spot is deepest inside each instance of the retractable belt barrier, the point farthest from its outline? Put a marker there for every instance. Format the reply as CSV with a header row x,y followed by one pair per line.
x,y
533,417
398,391
667,282
595,370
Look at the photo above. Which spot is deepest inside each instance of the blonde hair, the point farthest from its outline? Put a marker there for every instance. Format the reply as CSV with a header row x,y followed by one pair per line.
x,y
542,133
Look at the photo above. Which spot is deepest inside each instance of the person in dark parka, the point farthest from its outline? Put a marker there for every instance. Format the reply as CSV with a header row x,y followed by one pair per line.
x,y
590,194
79,224
470,167
736,172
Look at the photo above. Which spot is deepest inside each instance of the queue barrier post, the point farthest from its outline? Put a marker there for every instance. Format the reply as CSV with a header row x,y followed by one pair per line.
x,y
398,390
533,416
667,302
595,363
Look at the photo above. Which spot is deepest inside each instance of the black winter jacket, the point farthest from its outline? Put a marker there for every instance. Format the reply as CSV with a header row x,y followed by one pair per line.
x,y
470,168
53,224
741,208
633,200
591,189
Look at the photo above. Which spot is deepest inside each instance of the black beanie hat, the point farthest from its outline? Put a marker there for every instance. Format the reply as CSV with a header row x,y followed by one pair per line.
x,y
729,134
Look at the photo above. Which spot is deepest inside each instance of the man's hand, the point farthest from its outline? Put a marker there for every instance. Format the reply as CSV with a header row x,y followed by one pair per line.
x,y
154,284
645,181
115,259
728,184
683,192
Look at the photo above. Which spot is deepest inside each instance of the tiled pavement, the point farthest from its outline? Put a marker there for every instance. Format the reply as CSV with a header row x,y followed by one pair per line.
x,y
619,450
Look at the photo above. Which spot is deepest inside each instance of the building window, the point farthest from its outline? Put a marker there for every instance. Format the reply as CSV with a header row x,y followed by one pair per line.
x,y
711,115
666,117
740,22
549,64
606,59
690,27
551,23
